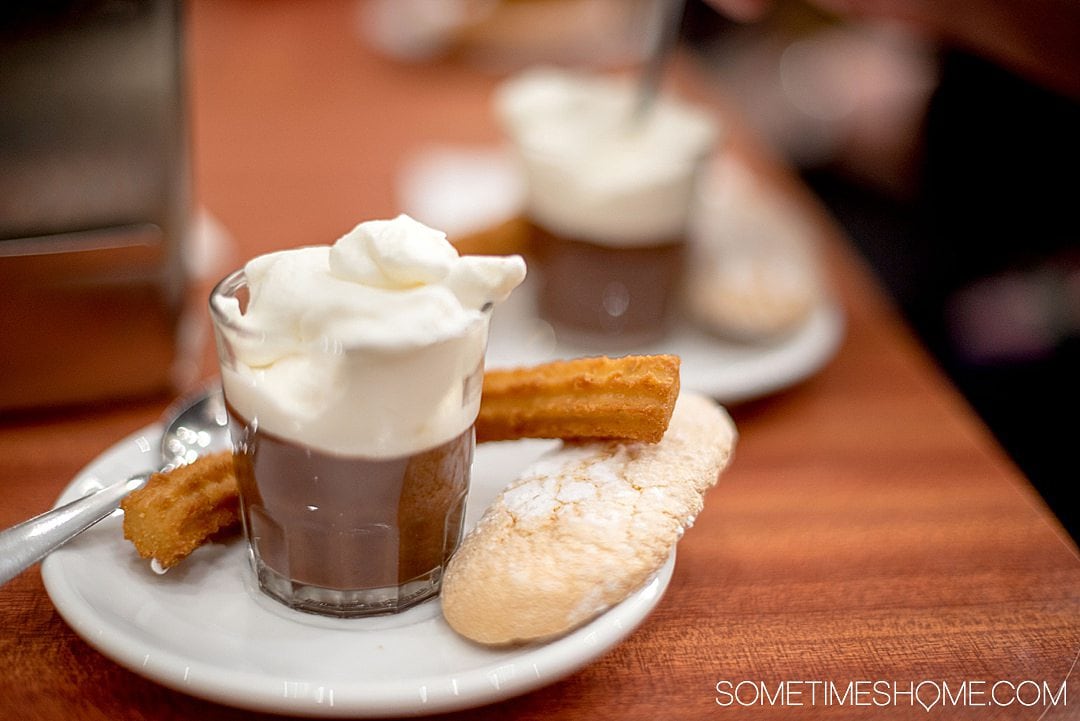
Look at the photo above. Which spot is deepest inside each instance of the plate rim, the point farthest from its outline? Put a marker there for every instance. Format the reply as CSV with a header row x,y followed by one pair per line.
x,y
765,367
232,687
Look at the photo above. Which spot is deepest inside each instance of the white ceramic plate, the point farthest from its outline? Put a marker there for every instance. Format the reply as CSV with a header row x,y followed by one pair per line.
x,y
202,628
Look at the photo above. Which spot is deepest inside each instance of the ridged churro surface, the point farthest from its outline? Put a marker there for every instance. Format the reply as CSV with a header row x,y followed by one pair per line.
x,y
178,511
630,397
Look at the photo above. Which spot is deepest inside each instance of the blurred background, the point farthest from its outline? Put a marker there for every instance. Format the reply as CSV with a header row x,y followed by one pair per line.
x,y
954,175
956,178
94,200
944,144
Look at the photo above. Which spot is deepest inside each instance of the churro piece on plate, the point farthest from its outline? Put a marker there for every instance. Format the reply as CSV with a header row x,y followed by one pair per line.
x,y
583,527
631,397
179,510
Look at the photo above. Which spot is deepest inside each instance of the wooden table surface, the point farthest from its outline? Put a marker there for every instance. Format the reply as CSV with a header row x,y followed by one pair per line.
x,y
868,530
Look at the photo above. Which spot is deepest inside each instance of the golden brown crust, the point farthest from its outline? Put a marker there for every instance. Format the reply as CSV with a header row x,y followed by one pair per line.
x,y
510,237
179,510
630,398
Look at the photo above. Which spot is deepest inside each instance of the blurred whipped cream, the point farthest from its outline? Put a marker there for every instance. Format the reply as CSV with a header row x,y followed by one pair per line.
x,y
369,347
594,171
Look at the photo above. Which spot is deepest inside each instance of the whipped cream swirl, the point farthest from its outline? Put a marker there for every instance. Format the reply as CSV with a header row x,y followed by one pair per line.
x,y
371,347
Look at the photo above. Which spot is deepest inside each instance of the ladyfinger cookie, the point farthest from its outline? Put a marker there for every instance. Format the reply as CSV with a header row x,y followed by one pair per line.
x,y
584,527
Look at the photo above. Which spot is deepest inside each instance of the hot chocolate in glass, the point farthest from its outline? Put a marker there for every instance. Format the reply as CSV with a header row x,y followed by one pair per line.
x,y
352,377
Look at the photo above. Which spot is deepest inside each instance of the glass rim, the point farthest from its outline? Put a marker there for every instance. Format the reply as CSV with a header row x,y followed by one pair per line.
x,y
233,281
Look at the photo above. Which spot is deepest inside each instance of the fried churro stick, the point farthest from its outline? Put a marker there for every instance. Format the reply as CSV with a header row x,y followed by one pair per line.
x,y
630,398
179,510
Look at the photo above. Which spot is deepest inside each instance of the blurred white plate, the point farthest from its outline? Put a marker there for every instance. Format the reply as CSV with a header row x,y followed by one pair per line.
x,y
462,189
727,371
203,629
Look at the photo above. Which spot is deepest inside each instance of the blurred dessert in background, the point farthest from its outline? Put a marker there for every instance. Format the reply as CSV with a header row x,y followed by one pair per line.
x,y
474,194
754,273
508,35
608,196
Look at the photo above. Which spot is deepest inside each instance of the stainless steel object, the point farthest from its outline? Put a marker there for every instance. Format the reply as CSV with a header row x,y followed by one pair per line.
x,y
196,426
94,199
663,37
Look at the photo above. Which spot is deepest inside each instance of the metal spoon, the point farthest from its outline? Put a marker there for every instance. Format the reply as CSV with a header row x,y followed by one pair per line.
x,y
664,34
195,425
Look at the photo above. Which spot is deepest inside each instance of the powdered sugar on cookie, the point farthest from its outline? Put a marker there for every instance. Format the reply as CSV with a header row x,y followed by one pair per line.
x,y
583,527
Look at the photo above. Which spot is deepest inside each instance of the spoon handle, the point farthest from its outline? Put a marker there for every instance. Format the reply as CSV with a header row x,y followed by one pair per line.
x,y
663,36
25,544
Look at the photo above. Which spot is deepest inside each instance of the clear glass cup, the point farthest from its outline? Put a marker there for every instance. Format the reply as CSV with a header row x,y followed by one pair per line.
x,y
350,534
